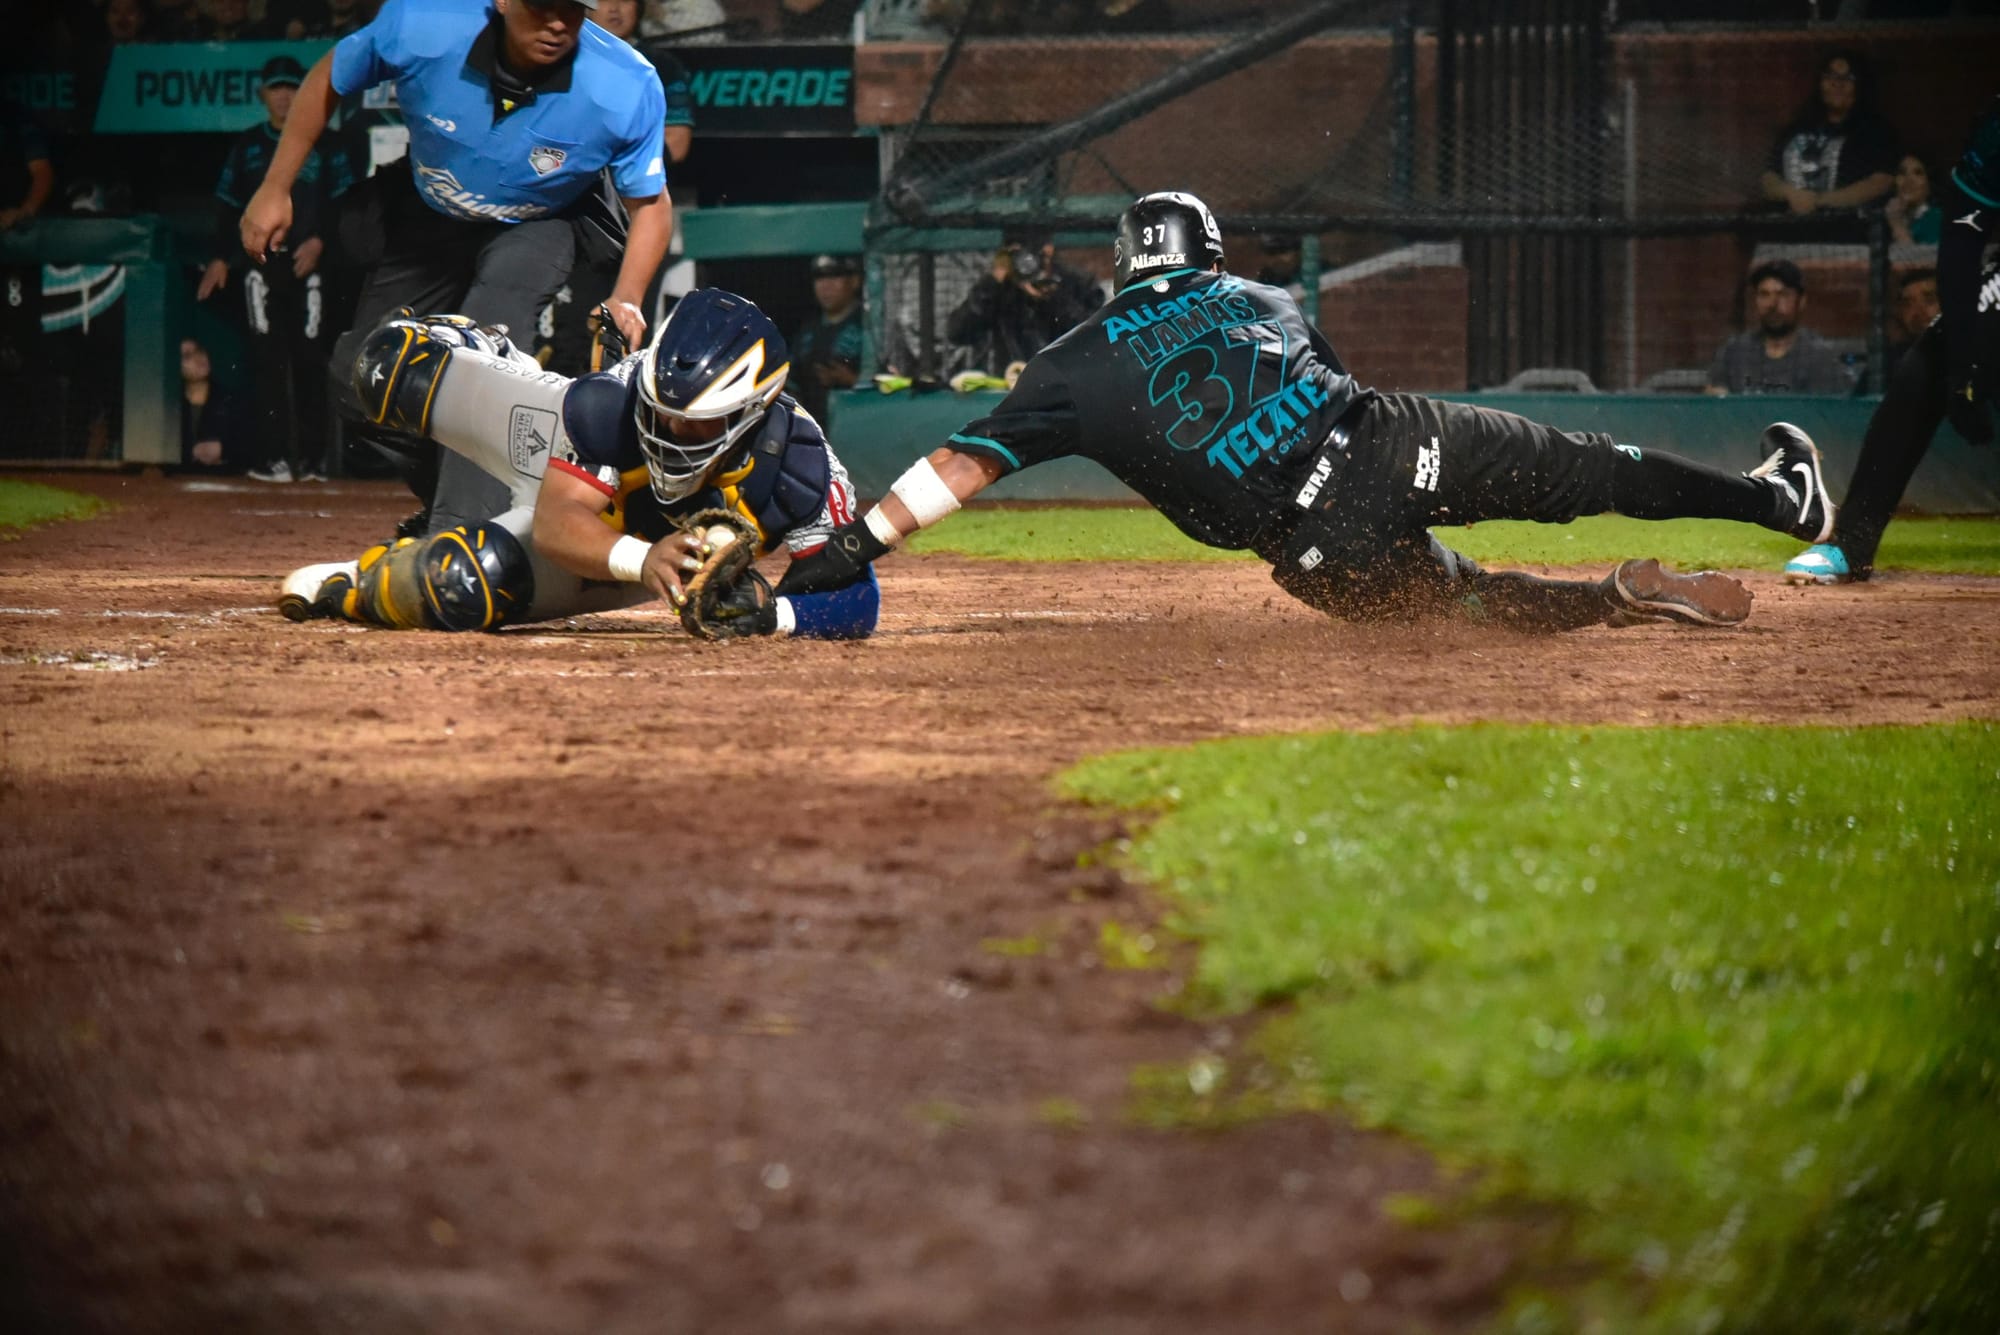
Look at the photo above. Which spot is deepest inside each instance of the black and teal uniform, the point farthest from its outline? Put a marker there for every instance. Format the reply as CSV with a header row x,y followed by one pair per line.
x,y
1954,366
1213,398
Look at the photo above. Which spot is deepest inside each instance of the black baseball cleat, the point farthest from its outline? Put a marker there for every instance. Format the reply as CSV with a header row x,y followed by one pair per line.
x,y
1804,509
1643,589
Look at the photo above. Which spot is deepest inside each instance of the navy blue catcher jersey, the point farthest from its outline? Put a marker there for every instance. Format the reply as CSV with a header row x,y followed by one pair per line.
x,y
1203,392
786,481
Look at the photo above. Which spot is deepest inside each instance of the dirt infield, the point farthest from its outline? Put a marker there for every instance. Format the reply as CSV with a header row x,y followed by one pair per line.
x,y
587,978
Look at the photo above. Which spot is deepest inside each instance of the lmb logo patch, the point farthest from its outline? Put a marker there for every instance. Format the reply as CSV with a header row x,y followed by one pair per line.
x,y
530,433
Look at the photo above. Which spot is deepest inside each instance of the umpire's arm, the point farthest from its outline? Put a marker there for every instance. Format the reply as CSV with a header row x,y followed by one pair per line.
x,y
651,227
268,215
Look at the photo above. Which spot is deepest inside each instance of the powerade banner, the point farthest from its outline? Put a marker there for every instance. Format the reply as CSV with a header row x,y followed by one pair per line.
x,y
190,87
806,89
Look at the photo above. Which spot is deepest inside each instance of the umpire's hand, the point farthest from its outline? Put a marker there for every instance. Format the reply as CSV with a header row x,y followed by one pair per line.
x,y
631,322
266,219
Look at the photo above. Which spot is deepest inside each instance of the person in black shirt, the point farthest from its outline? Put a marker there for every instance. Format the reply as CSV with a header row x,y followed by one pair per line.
x,y
284,302
1026,301
215,426
27,175
826,354
1838,152
1952,370
1213,398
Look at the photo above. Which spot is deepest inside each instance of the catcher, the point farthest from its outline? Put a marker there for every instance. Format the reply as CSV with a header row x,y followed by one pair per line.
x,y
664,476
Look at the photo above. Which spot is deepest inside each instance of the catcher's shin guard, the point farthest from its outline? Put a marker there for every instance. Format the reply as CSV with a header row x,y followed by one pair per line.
x,y
475,577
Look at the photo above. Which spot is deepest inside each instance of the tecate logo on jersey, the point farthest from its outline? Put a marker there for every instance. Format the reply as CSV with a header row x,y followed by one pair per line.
x,y
1274,427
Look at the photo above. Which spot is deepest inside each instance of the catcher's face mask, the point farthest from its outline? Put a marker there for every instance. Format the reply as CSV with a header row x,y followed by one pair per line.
x,y
705,382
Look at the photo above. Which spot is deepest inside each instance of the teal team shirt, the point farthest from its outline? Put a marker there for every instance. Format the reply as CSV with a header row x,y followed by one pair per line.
x,y
606,109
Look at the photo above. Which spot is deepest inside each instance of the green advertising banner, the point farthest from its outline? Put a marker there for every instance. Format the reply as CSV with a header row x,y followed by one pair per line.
x,y
184,87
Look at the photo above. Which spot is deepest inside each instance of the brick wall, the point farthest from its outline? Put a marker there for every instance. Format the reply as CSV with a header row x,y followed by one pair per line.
x,y
1401,330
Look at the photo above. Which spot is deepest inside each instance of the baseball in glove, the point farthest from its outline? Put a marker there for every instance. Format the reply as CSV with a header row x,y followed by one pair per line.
x,y
727,598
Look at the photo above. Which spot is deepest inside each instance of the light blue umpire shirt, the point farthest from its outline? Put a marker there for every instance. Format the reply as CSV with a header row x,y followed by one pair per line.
x,y
484,158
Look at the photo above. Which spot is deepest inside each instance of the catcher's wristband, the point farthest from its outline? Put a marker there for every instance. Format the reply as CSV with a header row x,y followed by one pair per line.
x,y
627,558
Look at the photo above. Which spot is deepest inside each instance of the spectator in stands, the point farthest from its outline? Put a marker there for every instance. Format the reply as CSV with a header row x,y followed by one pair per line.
x,y
689,22
177,21
1280,262
229,21
816,19
1779,356
826,354
1838,152
1916,307
214,423
126,21
1022,305
27,174
1106,16
1913,219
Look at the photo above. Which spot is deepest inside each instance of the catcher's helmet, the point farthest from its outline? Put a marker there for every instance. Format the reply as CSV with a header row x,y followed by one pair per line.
x,y
717,358
1167,229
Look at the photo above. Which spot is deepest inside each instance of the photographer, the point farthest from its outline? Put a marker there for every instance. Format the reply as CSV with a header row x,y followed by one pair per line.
x,y
1022,306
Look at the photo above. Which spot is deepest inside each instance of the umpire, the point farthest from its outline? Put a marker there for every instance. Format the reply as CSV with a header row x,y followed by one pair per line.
x,y
513,112
1213,398
284,303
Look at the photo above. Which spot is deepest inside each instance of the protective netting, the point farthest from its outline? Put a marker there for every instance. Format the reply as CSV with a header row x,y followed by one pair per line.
x,y
1588,165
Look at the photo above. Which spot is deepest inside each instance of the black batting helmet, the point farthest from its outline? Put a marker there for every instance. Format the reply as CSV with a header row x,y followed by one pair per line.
x,y
1165,230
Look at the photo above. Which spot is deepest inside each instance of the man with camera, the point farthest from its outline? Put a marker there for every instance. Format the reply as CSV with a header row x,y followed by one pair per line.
x,y
1028,299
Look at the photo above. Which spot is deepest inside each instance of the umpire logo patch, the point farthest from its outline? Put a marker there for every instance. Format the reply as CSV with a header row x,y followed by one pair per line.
x,y
545,159
530,432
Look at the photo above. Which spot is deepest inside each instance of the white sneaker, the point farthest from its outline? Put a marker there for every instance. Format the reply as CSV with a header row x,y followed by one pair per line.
x,y
311,474
306,595
277,472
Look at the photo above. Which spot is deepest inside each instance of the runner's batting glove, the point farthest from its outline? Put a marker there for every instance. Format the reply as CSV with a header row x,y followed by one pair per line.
x,y
1968,410
839,563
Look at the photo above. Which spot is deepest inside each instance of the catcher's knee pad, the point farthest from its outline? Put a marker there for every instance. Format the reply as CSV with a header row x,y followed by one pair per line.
x,y
396,374
476,577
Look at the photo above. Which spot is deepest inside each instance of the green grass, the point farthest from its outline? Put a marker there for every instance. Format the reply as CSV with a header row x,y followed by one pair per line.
x,y
1729,997
26,503
1954,545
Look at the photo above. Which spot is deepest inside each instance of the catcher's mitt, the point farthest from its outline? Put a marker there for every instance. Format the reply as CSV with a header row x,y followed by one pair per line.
x,y
727,597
